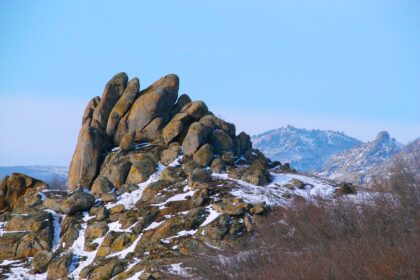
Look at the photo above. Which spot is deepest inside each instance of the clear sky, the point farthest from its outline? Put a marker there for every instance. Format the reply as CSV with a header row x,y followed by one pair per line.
x,y
351,66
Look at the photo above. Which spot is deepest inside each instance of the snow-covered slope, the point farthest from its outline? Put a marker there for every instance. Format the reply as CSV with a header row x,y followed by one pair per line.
x,y
305,150
280,192
355,165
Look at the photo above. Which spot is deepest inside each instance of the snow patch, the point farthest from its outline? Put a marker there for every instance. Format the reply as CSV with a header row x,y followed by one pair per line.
x,y
176,269
213,214
129,199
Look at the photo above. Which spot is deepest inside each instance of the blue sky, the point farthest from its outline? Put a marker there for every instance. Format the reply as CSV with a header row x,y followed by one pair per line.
x,y
351,66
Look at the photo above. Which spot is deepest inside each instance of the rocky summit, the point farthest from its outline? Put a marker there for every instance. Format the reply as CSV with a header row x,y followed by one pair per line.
x,y
126,115
155,179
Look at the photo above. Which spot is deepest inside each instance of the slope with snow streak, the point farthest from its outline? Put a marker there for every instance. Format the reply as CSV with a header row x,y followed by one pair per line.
x,y
275,194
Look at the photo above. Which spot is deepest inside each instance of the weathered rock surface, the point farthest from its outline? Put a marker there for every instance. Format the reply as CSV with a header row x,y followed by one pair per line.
x,y
155,101
112,92
123,105
153,179
14,187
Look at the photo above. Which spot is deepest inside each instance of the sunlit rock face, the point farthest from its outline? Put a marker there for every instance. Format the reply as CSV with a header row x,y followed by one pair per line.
x,y
155,179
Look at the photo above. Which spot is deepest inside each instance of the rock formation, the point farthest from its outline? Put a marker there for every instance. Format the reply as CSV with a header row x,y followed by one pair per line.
x,y
155,178
357,165
125,116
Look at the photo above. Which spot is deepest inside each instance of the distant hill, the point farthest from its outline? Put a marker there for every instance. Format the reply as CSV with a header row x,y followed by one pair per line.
x,y
408,158
357,164
45,173
305,150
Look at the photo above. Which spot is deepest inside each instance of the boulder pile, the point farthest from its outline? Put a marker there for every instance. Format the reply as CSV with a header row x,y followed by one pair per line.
x,y
126,116
148,185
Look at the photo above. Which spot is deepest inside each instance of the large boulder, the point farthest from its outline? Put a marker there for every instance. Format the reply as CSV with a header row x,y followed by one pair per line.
x,y
101,185
116,167
141,170
183,100
14,187
90,108
221,141
155,101
112,92
41,261
242,143
204,155
59,267
153,130
195,110
123,105
170,154
8,244
70,228
172,130
196,137
104,269
78,201
87,158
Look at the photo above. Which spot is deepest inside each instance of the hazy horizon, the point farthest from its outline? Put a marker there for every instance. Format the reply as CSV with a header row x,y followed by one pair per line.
x,y
350,66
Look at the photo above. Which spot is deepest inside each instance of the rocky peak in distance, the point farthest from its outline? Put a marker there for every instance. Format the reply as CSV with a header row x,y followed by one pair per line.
x,y
356,164
305,150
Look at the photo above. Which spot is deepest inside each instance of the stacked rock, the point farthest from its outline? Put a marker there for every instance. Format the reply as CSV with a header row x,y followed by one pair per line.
x,y
126,115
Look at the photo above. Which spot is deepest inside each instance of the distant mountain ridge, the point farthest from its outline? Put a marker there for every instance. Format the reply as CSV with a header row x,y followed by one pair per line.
x,y
305,150
408,157
357,164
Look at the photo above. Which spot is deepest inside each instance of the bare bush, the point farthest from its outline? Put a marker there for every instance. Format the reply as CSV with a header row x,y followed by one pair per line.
x,y
57,183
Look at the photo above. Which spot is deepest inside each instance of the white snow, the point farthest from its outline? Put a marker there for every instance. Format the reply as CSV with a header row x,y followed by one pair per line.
x,y
7,262
136,275
78,251
272,194
182,233
186,233
213,214
22,273
177,197
129,199
176,269
176,162
123,253
153,225
56,227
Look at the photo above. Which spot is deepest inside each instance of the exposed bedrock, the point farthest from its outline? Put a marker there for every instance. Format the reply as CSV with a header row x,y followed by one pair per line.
x,y
126,116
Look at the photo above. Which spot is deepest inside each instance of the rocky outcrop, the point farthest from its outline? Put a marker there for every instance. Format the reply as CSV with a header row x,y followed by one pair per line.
x,y
126,116
357,165
306,150
154,179
14,187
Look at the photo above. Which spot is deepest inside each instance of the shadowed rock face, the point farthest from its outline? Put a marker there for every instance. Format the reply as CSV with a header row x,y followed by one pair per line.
x,y
126,115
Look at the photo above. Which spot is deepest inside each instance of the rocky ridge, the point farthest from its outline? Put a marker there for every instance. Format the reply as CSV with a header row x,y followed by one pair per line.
x,y
155,178
407,159
306,150
357,164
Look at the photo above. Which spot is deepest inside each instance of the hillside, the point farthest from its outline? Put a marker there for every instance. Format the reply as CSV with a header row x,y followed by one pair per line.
x,y
407,160
155,180
305,150
356,165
